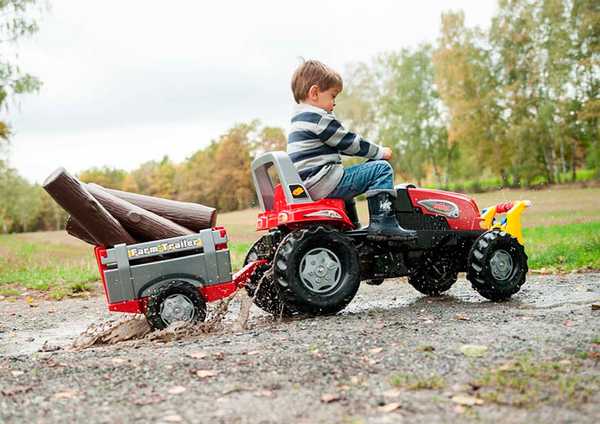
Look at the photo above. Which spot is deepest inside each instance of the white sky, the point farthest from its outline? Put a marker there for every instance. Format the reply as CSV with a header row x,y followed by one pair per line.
x,y
130,81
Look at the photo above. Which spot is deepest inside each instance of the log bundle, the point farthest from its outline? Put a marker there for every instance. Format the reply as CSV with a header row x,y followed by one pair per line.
x,y
108,217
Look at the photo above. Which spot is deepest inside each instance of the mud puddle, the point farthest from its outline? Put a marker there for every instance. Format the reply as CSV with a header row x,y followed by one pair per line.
x,y
227,316
77,324
48,340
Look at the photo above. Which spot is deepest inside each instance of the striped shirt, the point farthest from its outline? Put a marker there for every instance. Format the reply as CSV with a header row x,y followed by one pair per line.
x,y
315,144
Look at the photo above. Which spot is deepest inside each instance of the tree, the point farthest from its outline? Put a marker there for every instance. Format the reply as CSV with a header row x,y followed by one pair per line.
x,y
18,203
232,178
21,202
194,177
105,176
268,139
17,19
584,21
549,81
358,104
411,112
468,87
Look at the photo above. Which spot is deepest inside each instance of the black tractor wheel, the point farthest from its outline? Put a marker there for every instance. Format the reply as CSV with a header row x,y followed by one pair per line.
x,y
317,271
261,287
434,274
174,301
497,266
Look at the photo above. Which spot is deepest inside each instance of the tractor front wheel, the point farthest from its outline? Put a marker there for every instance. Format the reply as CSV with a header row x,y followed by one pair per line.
x,y
497,266
317,271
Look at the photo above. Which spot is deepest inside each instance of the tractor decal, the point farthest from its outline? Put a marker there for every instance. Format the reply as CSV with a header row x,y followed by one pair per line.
x,y
386,206
163,248
297,191
443,207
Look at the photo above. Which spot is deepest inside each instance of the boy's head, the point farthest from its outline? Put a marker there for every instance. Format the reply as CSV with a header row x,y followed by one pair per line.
x,y
316,84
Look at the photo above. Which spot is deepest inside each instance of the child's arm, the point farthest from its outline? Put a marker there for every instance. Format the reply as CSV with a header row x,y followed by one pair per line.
x,y
332,133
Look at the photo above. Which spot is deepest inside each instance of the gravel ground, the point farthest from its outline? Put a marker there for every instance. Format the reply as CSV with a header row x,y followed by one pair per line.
x,y
391,356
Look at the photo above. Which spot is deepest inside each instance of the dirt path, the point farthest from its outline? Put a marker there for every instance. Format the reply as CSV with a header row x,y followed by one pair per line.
x,y
392,356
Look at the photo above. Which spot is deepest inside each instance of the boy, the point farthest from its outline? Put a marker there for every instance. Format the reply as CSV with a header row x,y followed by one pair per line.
x,y
316,141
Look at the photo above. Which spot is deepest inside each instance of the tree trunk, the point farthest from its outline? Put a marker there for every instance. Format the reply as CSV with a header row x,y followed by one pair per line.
x,y
547,165
555,169
563,159
68,192
75,229
574,160
190,215
504,178
143,224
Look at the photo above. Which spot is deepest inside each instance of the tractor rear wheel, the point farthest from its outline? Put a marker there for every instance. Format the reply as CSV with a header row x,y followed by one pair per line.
x,y
497,266
317,270
434,274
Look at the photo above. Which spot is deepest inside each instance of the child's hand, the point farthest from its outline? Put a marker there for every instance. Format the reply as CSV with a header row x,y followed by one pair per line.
x,y
387,153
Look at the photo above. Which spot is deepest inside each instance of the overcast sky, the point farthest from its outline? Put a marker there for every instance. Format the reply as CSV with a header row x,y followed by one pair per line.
x,y
130,81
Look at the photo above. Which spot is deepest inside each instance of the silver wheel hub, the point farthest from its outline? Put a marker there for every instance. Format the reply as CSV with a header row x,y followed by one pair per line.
x,y
501,265
320,270
176,307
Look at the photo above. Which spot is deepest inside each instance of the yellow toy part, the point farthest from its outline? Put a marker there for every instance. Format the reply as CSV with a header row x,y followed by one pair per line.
x,y
511,224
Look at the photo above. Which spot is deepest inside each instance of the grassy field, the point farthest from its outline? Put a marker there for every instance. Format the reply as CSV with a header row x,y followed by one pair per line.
x,y
562,233
51,262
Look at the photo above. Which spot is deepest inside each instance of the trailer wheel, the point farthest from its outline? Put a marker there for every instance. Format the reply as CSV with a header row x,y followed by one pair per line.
x,y
497,265
174,301
317,271
434,274
261,287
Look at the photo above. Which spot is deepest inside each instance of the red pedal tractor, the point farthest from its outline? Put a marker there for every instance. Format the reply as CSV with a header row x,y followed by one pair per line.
x,y
316,255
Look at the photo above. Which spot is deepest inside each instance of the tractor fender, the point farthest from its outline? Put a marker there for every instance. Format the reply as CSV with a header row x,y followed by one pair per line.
x,y
164,279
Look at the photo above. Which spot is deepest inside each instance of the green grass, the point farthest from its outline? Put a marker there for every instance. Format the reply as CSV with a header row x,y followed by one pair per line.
x,y
417,382
238,254
48,267
564,247
528,382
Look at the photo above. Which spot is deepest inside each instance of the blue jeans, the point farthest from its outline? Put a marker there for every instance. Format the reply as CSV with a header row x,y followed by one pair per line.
x,y
358,179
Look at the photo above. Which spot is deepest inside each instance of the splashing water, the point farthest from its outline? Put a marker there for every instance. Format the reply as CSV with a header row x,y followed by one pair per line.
x,y
137,328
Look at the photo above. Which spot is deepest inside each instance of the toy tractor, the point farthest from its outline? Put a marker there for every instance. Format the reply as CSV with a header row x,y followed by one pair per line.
x,y
315,254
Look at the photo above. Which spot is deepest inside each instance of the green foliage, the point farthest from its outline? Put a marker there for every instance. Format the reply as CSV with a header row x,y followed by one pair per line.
x,y
219,175
519,101
105,176
412,114
17,19
268,139
21,202
468,87
357,105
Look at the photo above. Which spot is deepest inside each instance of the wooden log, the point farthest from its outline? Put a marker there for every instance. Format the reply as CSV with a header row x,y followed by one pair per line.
x,y
75,229
143,224
69,193
194,216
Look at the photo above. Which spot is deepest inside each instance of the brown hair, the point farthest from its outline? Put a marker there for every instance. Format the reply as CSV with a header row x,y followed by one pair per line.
x,y
313,72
